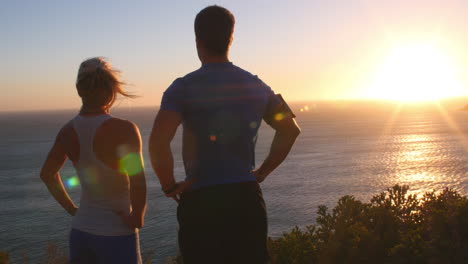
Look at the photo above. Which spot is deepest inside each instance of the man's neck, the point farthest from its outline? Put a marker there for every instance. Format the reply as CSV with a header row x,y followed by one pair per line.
x,y
215,59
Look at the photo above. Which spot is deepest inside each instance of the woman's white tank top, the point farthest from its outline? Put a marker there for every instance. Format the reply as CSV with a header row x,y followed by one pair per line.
x,y
104,191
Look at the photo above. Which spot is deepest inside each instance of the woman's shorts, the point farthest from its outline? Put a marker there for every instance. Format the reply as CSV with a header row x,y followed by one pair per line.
x,y
86,248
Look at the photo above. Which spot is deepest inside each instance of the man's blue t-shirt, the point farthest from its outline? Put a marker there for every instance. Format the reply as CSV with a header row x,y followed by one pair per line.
x,y
222,107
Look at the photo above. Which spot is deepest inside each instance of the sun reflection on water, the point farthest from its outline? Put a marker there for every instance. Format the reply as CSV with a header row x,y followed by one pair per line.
x,y
423,152
418,163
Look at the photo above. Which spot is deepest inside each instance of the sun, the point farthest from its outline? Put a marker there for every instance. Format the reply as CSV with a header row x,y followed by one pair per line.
x,y
415,72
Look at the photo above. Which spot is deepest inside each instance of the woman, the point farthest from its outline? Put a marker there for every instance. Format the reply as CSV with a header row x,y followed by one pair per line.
x,y
106,153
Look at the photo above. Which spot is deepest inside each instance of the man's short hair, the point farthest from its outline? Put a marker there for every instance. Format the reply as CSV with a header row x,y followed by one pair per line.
x,y
214,26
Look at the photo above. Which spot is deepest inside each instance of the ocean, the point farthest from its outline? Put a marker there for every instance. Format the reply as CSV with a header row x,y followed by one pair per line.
x,y
344,148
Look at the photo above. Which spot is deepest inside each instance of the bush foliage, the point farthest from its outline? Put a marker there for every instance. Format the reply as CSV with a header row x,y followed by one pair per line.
x,y
4,258
394,227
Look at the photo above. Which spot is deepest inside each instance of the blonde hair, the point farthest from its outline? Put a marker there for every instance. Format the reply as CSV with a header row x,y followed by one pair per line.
x,y
98,84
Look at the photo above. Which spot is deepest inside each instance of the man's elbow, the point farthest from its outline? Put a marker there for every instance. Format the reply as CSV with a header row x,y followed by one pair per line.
x,y
295,131
292,131
288,128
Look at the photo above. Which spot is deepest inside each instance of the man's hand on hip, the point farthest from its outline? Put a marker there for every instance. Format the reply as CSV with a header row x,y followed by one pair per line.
x,y
178,189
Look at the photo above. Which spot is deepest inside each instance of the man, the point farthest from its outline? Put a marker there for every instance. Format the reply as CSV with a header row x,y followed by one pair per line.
x,y
221,212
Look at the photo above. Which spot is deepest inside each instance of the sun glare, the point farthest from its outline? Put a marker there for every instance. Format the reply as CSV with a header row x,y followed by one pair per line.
x,y
416,72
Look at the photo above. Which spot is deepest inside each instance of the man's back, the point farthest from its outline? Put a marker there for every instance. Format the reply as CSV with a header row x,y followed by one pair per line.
x,y
222,107
221,212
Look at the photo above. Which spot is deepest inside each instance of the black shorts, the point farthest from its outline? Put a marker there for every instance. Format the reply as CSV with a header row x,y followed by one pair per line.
x,y
223,224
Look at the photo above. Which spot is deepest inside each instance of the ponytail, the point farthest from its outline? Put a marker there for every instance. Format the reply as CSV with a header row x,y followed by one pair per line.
x,y
98,84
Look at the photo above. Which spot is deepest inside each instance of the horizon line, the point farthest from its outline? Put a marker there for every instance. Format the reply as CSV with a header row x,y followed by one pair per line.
x,y
348,100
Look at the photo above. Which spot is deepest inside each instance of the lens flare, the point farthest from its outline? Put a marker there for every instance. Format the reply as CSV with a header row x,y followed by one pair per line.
x,y
130,164
72,182
279,116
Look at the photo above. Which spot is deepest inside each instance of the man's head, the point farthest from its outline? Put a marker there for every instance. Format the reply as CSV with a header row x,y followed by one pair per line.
x,y
214,27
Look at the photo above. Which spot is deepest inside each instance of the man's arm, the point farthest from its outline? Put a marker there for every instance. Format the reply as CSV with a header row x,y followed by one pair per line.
x,y
51,177
164,129
287,131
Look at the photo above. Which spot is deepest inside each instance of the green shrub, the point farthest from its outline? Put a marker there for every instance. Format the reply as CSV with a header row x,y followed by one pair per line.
x,y
294,247
445,227
55,255
174,260
393,228
4,258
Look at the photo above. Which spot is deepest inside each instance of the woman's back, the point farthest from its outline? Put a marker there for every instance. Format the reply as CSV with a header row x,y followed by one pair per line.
x,y
106,153
104,190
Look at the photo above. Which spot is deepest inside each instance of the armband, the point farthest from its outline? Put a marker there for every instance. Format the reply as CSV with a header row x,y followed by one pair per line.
x,y
284,107
281,111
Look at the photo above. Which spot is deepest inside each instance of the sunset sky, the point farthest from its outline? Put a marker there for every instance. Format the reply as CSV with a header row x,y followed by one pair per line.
x,y
306,50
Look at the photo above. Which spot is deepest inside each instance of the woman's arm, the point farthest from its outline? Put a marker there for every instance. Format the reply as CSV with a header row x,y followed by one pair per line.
x,y
51,177
132,162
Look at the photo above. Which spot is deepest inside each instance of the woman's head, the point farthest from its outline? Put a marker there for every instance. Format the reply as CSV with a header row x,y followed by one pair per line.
x,y
98,84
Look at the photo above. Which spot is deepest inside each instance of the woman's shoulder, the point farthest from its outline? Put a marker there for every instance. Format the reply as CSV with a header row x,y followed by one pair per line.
x,y
66,131
117,132
67,140
116,122
124,127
